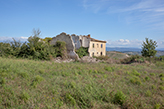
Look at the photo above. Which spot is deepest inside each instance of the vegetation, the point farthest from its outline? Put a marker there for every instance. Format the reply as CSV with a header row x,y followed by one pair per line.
x,y
61,49
82,51
101,57
36,48
45,84
148,49
133,58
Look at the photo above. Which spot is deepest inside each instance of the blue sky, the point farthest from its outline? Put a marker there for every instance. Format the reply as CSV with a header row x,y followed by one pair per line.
x,y
122,23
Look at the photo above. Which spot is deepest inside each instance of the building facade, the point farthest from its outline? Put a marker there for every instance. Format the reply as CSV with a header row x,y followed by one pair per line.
x,y
95,47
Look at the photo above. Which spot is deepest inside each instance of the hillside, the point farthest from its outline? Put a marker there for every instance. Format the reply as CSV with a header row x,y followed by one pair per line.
x,y
133,51
159,53
45,84
116,55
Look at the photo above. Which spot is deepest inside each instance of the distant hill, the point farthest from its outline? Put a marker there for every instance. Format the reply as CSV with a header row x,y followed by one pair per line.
x,y
133,51
122,49
116,55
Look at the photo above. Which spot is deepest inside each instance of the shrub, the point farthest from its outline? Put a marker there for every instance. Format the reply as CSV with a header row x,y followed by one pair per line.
x,y
82,51
161,58
61,49
35,48
119,98
148,48
133,58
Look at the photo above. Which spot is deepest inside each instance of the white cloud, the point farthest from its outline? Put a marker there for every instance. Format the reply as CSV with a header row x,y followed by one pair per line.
x,y
3,38
23,37
8,39
124,43
131,43
95,5
150,12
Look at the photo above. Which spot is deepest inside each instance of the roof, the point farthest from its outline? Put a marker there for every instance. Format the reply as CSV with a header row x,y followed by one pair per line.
x,y
95,40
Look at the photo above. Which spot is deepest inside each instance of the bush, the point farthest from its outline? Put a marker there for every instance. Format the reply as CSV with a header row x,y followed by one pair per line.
x,y
148,48
119,98
35,48
133,58
61,49
82,51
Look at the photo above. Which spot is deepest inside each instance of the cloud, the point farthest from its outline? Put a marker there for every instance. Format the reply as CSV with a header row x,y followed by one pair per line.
x,y
24,37
150,12
131,43
95,5
124,43
8,39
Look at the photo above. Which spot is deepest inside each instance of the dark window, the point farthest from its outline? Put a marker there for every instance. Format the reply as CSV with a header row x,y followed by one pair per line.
x,y
93,45
101,45
97,52
93,54
101,53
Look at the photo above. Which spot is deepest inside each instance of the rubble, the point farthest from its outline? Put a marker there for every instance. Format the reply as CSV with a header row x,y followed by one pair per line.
x,y
89,59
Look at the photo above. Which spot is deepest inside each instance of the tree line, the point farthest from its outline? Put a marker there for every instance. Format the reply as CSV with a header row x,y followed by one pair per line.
x,y
34,48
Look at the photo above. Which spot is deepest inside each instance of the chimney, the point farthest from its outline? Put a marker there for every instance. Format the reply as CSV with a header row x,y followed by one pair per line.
x,y
89,35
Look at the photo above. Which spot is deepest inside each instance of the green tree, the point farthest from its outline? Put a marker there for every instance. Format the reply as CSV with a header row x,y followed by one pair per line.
x,y
148,48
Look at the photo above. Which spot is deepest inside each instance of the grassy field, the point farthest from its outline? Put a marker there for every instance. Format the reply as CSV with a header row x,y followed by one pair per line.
x,y
116,55
45,84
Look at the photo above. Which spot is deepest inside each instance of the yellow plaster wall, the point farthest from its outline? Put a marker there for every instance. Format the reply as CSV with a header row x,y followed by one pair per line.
x,y
97,49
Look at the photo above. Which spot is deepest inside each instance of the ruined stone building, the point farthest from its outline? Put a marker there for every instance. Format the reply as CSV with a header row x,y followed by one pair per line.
x,y
95,47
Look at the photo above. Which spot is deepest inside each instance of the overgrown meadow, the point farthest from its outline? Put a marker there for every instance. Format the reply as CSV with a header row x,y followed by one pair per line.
x,y
45,84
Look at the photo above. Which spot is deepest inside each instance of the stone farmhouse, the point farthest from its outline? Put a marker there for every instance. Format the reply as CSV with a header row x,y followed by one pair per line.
x,y
95,47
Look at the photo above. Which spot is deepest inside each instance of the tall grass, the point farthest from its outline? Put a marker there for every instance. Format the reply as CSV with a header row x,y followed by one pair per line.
x,y
44,84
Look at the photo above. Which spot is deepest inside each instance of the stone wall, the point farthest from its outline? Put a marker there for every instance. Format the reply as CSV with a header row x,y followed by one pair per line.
x,y
76,40
85,41
69,44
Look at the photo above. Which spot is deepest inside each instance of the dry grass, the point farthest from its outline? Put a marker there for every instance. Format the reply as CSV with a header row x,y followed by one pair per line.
x,y
45,84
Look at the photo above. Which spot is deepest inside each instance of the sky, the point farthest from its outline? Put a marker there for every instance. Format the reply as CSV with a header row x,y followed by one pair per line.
x,y
122,23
